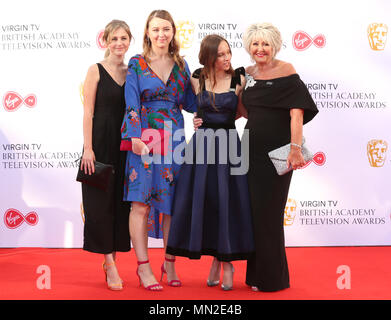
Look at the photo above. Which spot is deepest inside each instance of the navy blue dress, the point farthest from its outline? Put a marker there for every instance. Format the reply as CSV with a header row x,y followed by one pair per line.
x,y
211,212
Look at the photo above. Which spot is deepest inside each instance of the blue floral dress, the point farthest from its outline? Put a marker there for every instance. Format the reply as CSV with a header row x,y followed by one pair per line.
x,y
151,103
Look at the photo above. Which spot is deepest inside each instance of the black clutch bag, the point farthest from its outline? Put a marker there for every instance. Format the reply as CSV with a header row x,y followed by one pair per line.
x,y
100,178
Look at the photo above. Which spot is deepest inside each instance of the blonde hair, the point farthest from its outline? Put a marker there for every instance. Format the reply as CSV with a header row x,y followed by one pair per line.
x,y
110,28
265,31
173,48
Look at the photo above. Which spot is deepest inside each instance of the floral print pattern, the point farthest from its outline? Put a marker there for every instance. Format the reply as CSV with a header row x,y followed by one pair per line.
x,y
150,103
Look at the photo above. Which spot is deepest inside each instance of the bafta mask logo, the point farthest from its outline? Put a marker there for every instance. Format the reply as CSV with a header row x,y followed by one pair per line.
x,y
185,32
290,212
377,36
376,150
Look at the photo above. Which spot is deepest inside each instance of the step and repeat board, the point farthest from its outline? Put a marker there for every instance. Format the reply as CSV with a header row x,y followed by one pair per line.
x,y
340,50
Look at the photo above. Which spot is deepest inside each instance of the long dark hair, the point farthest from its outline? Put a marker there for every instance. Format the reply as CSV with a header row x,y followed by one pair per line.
x,y
207,57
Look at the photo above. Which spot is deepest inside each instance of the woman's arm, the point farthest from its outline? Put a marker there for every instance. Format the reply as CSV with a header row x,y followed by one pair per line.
x,y
295,157
241,111
197,122
89,93
190,104
131,124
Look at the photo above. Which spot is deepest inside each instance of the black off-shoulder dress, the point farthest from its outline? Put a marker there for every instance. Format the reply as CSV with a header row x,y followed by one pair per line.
x,y
268,103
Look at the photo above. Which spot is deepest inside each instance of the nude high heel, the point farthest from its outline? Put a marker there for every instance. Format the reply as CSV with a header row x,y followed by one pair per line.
x,y
114,286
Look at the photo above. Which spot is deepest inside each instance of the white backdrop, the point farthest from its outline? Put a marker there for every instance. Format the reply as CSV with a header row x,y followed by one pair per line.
x,y
46,47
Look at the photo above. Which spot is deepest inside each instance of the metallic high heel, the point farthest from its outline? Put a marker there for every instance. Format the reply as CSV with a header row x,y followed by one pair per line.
x,y
211,283
214,283
172,283
225,287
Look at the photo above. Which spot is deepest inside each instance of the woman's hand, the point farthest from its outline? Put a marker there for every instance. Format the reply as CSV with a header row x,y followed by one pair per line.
x,y
87,161
295,158
197,122
139,147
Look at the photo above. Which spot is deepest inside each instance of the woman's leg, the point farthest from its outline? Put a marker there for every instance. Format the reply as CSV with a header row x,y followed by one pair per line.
x,y
169,266
138,231
228,276
214,273
112,276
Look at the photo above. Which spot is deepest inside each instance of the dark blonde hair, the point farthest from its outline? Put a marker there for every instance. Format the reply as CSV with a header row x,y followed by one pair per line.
x,y
173,48
113,26
207,57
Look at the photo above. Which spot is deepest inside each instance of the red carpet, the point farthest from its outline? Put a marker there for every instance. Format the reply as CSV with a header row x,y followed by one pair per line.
x,y
76,274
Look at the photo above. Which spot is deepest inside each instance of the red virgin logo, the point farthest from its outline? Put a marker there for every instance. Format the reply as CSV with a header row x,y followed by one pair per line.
x,y
13,101
99,40
319,159
14,218
302,41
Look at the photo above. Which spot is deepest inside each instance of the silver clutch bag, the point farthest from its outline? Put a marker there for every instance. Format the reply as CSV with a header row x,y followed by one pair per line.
x,y
280,155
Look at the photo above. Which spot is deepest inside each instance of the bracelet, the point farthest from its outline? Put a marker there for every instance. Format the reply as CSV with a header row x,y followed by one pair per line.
x,y
295,145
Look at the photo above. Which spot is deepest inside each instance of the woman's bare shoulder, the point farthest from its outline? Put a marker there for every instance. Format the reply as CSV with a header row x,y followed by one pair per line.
x,y
93,71
250,69
286,68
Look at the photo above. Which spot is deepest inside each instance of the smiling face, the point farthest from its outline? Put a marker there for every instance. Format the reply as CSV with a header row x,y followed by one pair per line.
x,y
160,32
261,51
224,55
118,42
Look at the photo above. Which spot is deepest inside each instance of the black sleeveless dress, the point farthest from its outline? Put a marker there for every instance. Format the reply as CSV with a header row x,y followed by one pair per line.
x,y
268,103
211,209
106,227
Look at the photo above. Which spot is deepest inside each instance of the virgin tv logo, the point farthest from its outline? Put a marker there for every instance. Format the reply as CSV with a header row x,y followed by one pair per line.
x,y
302,41
99,40
319,159
12,101
13,218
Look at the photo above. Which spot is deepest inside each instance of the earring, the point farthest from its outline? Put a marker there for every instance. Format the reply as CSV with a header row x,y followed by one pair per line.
x,y
171,47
